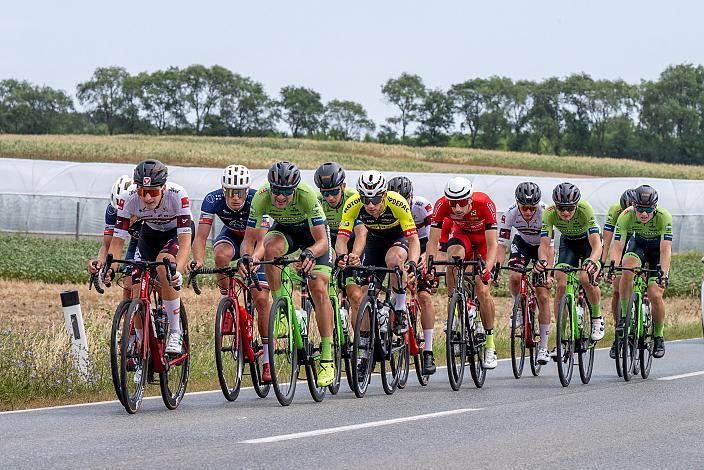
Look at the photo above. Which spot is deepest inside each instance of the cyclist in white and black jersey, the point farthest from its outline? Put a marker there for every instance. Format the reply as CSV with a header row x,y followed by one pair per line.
x,y
164,209
422,212
526,216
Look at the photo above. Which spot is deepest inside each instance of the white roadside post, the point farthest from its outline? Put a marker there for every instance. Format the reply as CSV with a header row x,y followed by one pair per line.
x,y
73,320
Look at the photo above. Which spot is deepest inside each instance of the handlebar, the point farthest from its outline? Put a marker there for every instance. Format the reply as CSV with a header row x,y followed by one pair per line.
x,y
143,266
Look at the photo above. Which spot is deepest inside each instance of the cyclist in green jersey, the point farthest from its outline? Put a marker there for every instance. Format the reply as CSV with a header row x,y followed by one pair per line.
x,y
651,243
334,193
299,223
609,227
580,241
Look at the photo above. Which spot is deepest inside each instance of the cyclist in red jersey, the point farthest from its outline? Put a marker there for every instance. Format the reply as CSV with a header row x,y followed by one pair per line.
x,y
474,233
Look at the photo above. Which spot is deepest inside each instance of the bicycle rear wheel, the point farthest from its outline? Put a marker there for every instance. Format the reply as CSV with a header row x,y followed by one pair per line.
x,y
395,367
312,361
228,349
629,344
283,355
115,345
518,340
420,342
476,352
347,344
455,341
173,381
255,368
565,344
337,346
618,338
363,348
533,350
134,360
403,378
647,341
586,347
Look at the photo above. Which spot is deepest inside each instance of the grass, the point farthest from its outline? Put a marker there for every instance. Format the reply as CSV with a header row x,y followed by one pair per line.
x,y
262,152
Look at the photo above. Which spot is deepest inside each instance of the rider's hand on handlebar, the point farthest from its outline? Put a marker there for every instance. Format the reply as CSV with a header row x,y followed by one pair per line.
x,y
244,263
496,274
177,279
194,265
307,260
94,265
485,276
540,266
341,261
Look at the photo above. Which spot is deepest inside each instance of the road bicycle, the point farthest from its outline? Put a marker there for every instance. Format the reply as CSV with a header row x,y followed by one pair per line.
x,y
414,337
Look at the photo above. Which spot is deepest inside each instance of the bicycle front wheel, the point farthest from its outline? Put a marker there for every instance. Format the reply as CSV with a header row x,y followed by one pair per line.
x,y
518,340
586,346
174,380
134,360
420,343
629,345
455,341
565,343
115,346
312,361
228,349
533,350
647,341
363,347
337,345
255,368
477,348
283,355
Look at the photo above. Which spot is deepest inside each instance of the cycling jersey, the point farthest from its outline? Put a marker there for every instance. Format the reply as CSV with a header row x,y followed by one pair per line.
x,y
235,221
659,227
582,224
481,216
334,214
394,221
529,231
302,212
422,212
612,216
111,220
173,212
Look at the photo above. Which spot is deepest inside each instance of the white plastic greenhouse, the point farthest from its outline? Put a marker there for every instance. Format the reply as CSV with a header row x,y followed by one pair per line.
x,y
66,198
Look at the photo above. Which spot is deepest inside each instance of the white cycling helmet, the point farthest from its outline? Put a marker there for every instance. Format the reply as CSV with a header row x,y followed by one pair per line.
x,y
458,188
236,177
119,189
371,183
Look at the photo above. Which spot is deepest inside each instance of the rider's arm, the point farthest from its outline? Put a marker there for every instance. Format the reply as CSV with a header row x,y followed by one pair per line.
x,y
491,238
666,242
199,243
348,224
433,243
184,250
360,239
252,236
623,226
322,243
543,249
594,235
413,248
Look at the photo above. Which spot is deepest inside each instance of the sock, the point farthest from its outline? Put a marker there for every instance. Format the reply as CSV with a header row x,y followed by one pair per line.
x,y
325,349
596,311
265,351
544,333
490,339
173,312
658,329
428,337
400,301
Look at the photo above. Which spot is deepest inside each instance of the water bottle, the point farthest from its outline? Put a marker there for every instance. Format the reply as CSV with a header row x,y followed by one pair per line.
x,y
471,315
646,315
302,321
160,322
383,319
343,315
580,315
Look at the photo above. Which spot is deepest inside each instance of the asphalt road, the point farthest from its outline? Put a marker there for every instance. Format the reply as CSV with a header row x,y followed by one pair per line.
x,y
534,421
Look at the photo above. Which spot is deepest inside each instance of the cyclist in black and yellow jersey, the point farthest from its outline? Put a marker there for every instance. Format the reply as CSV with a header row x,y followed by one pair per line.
x,y
392,239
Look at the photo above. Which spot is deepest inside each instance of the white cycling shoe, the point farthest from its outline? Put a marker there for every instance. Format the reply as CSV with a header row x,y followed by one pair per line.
x,y
597,328
490,361
174,344
543,356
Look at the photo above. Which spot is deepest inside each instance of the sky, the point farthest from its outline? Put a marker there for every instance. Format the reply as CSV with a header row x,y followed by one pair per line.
x,y
347,50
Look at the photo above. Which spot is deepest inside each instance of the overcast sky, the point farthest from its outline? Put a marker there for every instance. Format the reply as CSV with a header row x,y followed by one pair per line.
x,y
347,50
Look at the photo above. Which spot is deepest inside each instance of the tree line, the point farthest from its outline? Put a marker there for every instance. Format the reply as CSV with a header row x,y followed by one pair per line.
x,y
660,120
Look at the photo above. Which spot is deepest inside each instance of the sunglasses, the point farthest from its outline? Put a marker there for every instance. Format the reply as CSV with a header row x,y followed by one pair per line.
x,y
566,208
240,193
371,200
527,208
282,191
460,202
646,209
330,192
153,192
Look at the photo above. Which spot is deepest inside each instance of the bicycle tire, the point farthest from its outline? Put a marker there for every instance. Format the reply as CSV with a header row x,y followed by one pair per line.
x,y
115,343
586,350
173,398
629,341
312,354
535,367
648,343
518,339
455,341
423,379
347,346
255,368
405,368
618,338
366,318
334,387
283,355
229,343
564,342
132,358
477,349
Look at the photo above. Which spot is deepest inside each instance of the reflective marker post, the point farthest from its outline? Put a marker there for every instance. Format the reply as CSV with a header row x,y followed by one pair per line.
x,y
73,320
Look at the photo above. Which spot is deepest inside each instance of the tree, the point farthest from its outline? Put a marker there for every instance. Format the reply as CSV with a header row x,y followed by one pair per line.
x,y
29,109
406,92
301,109
469,103
161,97
436,116
545,117
245,108
346,120
202,90
104,94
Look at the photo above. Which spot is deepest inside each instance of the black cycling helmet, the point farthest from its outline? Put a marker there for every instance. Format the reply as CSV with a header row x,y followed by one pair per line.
x,y
626,199
401,185
284,175
329,175
528,194
645,196
566,194
150,173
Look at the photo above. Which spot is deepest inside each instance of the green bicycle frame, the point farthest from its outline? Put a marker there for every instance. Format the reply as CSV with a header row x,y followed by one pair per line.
x,y
288,277
639,289
335,301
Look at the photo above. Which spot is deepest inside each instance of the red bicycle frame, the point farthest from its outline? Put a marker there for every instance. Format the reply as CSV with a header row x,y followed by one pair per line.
x,y
529,302
242,318
413,306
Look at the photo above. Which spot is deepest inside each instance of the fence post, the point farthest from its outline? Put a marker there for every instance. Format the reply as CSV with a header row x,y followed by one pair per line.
x,y
78,217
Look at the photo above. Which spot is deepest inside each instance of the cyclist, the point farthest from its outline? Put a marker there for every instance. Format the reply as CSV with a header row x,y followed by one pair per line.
x,y
334,193
609,226
650,243
231,203
580,241
526,216
299,223
391,241
422,212
119,189
474,234
164,209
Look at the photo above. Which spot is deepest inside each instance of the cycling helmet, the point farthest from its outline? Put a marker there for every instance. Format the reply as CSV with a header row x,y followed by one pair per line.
x,y
566,194
151,173
626,199
119,188
401,185
329,175
371,183
284,175
458,188
528,194
236,177
645,196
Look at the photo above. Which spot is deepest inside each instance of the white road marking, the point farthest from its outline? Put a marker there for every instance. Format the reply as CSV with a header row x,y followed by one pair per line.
x,y
354,427
681,376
